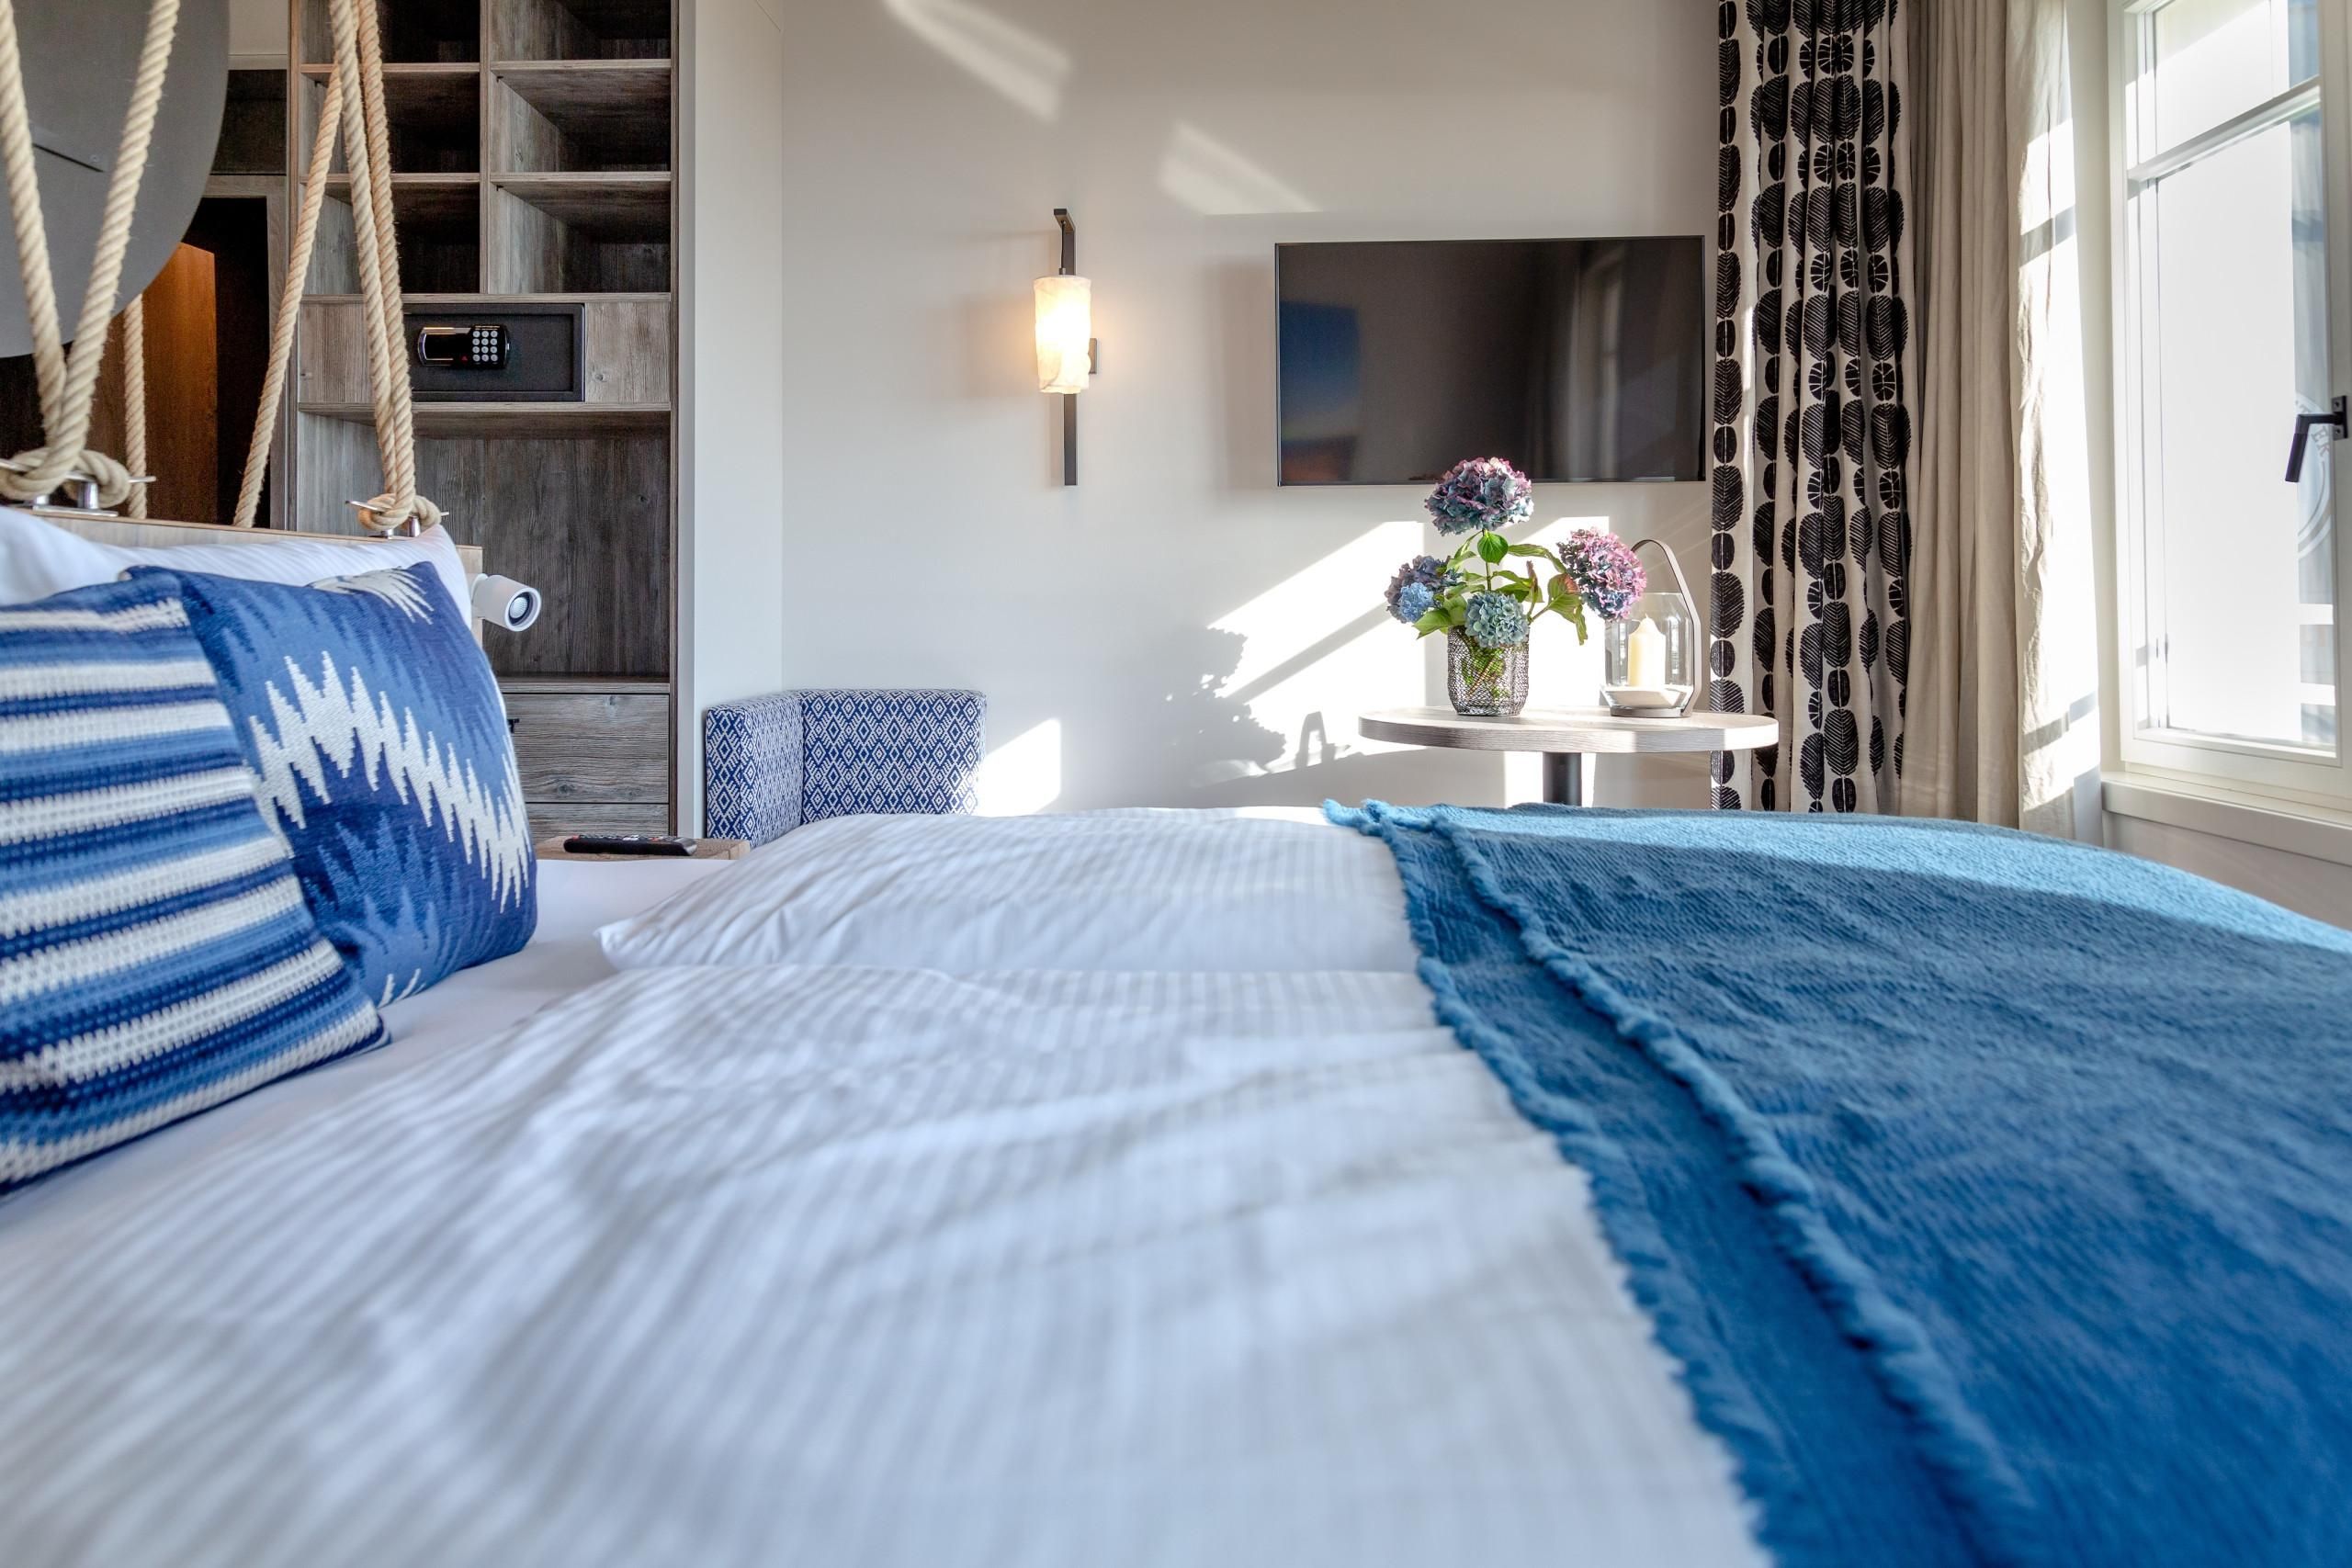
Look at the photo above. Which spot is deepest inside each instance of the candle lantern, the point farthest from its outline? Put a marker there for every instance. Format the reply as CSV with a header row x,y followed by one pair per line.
x,y
1654,650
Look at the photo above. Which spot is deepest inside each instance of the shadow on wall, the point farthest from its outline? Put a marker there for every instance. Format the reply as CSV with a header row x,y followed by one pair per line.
x,y
1208,737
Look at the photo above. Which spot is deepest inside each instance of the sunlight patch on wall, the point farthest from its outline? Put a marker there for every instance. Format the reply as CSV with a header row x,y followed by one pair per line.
x,y
1026,70
1312,603
1218,180
1318,647
1023,776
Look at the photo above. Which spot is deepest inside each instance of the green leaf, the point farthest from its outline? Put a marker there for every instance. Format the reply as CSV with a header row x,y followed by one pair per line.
x,y
1534,551
1437,620
1492,548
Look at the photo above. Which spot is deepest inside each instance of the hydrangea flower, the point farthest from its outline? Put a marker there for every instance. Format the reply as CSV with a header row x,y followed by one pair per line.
x,y
1605,571
1426,574
1494,620
1480,493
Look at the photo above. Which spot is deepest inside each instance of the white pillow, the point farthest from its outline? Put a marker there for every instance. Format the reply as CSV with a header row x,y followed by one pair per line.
x,y
39,559
1131,890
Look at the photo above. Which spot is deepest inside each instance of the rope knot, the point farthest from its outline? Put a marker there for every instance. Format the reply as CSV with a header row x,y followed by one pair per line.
x,y
36,473
387,513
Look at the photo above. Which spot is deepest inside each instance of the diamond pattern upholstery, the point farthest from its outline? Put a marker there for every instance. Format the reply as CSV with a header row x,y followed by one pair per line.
x,y
773,763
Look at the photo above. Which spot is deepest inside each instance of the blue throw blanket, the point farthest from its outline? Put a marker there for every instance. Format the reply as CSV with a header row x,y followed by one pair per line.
x,y
1994,1193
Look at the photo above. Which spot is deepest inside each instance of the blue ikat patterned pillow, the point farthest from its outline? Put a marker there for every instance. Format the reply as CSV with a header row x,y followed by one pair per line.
x,y
374,724
156,956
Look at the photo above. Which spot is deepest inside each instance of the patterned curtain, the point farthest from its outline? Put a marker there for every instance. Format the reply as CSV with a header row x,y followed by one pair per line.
x,y
1812,425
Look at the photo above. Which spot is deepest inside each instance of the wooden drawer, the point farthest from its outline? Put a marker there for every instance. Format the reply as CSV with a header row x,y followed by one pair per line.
x,y
593,747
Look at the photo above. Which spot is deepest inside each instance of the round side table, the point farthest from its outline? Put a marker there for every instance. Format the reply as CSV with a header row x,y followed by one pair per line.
x,y
1567,736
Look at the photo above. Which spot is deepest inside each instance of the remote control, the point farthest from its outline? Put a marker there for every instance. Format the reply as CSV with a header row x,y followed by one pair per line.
x,y
628,844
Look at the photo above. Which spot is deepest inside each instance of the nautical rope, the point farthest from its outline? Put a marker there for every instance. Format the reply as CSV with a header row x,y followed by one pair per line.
x,y
358,55
68,378
290,304
69,381
134,398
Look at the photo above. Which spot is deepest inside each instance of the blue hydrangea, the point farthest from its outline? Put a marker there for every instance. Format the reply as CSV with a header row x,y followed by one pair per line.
x,y
1414,601
1425,573
1494,620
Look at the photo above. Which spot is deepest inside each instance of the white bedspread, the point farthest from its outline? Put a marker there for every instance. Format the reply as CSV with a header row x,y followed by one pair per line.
x,y
850,1267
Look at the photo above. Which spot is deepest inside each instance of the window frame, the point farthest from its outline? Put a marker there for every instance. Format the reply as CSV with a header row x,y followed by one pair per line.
x,y
2236,763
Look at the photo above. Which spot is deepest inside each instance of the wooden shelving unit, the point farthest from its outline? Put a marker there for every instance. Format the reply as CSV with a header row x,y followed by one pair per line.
x,y
533,150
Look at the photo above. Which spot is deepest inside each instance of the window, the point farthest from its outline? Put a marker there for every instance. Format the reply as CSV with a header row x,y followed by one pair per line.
x,y
2231,324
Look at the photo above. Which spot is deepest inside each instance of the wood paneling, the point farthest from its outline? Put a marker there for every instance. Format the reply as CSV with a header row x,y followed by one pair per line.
x,y
604,748
332,367
627,351
552,421
587,522
339,465
551,819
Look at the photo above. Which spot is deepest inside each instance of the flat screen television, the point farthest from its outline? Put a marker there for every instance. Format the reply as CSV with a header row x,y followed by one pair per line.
x,y
1576,359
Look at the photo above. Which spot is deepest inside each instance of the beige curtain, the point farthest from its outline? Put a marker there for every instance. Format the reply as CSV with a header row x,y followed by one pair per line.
x,y
2003,724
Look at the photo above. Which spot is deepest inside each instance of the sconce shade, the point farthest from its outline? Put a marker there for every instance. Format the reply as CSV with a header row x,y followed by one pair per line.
x,y
1065,329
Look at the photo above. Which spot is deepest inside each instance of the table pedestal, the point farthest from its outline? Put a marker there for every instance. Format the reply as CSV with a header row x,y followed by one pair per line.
x,y
1564,777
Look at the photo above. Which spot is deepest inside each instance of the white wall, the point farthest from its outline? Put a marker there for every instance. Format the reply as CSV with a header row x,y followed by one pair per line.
x,y
730,567
257,28
1176,630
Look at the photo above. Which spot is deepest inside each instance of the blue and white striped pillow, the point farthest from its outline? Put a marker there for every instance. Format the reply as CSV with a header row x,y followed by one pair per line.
x,y
156,957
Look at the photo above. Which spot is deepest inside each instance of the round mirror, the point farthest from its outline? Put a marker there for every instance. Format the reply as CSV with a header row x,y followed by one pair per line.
x,y
79,60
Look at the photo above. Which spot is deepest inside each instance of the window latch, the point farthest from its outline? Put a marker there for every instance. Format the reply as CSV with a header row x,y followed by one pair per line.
x,y
2334,420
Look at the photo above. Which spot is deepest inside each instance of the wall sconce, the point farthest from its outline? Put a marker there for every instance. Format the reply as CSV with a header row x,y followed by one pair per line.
x,y
1065,339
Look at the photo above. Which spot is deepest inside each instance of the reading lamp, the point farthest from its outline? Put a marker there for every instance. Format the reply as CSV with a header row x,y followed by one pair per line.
x,y
1065,339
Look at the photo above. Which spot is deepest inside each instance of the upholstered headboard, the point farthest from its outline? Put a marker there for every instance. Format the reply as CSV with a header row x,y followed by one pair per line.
x,y
772,763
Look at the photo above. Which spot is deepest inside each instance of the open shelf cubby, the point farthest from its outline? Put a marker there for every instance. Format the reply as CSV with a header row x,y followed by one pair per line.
x,y
443,32
434,113
578,29
438,219
567,233
253,125
577,114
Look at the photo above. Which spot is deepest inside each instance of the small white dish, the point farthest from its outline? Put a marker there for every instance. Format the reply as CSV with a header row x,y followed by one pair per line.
x,y
1640,697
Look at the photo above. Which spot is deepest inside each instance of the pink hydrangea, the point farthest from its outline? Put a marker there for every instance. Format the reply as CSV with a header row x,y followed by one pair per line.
x,y
1605,571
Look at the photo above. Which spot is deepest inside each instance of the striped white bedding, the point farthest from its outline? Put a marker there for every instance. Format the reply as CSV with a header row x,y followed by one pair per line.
x,y
1252,888
856,1266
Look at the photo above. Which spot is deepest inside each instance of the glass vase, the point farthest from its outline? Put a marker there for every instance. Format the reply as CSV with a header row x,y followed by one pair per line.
x,y
1484,683
1652,658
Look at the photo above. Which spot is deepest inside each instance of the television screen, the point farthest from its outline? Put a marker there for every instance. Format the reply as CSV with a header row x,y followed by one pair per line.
x,y
1576,359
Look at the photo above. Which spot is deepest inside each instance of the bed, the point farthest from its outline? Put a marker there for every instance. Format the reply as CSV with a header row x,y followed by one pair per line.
x,y
1150,1270
1118,1187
